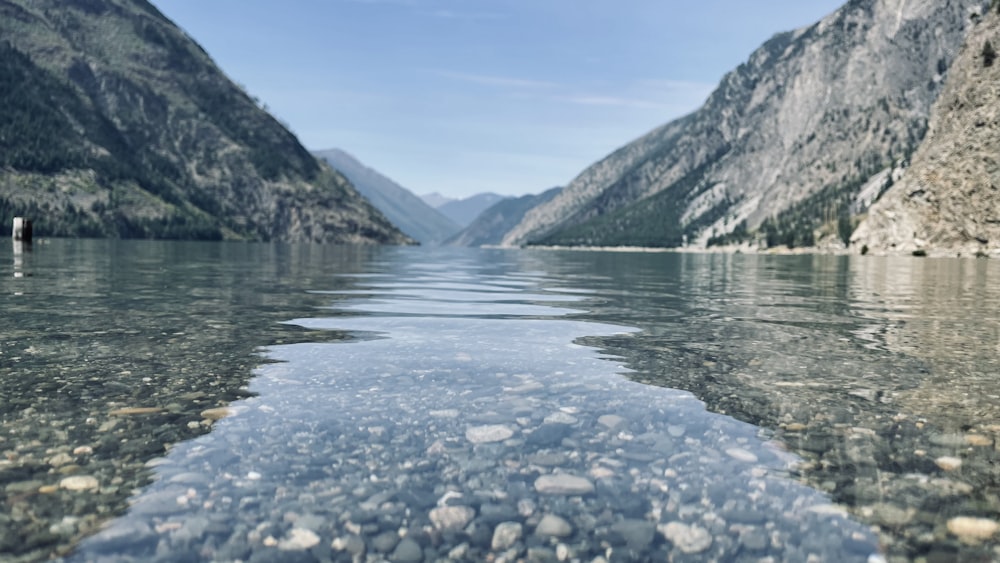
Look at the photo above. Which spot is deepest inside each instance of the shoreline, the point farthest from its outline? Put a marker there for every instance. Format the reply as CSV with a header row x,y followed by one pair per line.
x,y
780,251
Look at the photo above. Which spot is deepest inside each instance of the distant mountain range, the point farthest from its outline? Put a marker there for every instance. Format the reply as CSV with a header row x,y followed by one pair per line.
x,y
489,228
781,151
464,211
435,199
407,211
114,123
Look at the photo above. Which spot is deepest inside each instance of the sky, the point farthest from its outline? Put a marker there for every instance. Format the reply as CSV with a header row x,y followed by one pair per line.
x,y
467,96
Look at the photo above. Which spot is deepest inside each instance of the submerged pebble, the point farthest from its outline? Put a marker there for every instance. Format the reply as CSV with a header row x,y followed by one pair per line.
x,y
975,529
487,434
79,483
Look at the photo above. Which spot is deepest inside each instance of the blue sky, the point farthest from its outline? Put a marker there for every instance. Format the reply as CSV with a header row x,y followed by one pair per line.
x,y
468,96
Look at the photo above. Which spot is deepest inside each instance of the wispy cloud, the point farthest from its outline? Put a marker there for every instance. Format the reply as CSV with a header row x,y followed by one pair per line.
x,y
494,80
468,16
646,94
610,101
421,8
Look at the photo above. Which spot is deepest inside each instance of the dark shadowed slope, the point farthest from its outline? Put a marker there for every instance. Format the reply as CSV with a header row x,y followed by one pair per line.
x,y
117,124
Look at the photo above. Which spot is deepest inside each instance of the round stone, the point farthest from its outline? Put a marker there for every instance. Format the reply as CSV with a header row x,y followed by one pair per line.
x,y
611,421
552,525
386,541
978,440
973,529
740,454
948,463
892,515
79,483
299,539
216,413
408,551
60,459
638,534
488,433
452,517
506,535
689,539
563,484
560,418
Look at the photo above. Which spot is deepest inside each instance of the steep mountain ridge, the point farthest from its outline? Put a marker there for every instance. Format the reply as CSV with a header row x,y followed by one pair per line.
x,y
491,225
813,113
118,124
464,211
401,206
435,200
948,201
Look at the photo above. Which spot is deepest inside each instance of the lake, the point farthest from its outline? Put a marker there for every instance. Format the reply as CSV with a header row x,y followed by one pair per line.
x,y
176,401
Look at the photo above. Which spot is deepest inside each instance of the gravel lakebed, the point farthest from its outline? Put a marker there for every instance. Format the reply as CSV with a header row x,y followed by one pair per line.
x,y
451,437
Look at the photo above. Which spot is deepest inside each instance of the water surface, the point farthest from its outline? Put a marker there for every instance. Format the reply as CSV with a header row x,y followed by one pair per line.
x,y
419,404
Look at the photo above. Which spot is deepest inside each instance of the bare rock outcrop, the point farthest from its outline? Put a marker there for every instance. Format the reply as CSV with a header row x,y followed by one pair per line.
x,y
813,111
948,201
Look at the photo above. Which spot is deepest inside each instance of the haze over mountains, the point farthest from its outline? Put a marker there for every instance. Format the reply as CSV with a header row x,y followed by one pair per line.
x,y
415,215
489,228
435,199
117,124
464,211
407,211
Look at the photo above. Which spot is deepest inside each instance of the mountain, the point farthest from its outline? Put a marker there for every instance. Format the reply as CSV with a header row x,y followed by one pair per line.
x,y
781,147
117,124
948,200
407,211
436,200
493,223
465,211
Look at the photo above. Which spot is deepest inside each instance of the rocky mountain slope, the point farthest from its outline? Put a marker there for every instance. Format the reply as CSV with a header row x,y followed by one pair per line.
x,y
789,137
948,200
401,206
115,123
491,225
465,211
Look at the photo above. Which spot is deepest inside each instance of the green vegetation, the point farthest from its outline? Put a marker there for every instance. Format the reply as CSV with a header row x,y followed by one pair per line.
x,y
48,128
653,222
989,54
115,124
740,234
797,225
35,133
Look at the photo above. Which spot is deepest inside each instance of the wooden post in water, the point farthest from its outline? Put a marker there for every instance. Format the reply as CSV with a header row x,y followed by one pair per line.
x,y
22,229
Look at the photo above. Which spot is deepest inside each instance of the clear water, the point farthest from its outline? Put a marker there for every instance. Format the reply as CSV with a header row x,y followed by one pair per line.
x,y
701,407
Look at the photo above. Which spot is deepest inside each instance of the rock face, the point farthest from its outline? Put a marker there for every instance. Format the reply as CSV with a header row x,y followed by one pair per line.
x,y
491,225
948,200
401,206
117,124
804,122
